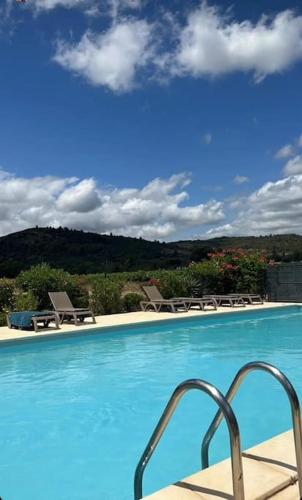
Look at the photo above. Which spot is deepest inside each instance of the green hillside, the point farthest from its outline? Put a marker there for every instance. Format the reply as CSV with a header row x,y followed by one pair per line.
x,y
80,252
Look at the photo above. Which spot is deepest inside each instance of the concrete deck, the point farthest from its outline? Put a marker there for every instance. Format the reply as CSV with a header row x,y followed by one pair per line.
x,y
7,334
269,471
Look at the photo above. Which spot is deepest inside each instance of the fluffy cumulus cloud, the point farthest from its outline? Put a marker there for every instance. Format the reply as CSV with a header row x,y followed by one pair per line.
x,y
157,211
293,166
213,44
112,58
208,43
274,208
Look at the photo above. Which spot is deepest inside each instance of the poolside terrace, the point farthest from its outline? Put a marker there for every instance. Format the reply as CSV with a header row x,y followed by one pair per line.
x,y
124,319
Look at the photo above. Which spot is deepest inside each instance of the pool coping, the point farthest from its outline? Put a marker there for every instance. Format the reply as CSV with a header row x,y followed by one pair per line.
x,y
134,320
269,471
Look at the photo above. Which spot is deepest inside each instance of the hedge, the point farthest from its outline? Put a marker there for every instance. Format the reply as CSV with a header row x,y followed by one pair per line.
x,y
224,272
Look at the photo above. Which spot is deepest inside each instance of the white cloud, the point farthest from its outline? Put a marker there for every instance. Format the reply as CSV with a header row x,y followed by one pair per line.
x,y
90,7
111,58
81,197
285,152
293,166
158,210
52,4
209,44
240,179
291,151
212,44
274,208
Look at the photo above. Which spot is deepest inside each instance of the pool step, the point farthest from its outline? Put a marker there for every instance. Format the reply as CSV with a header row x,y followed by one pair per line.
x,y
269,472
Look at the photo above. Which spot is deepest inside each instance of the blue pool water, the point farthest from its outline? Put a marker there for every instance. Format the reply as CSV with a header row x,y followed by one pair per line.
x,y
76,413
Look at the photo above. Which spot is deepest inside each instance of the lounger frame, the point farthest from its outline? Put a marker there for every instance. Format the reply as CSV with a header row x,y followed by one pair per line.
x,y
63,306
156,302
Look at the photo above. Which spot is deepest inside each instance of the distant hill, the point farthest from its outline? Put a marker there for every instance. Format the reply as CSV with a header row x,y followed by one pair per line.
x,y
80,252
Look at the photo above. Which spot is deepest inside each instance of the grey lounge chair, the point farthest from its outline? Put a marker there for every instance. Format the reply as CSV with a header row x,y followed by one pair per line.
x,y
226,300
249,298
199,302
157,302
63,306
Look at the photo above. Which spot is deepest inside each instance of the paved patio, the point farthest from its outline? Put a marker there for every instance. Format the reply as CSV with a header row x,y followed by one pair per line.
x,y
7,334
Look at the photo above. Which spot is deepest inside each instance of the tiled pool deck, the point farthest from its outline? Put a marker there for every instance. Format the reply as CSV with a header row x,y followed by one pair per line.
x,y
7,334
269,471
270,468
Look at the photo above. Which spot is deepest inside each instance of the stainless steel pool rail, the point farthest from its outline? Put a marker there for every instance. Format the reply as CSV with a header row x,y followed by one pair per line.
x,y
294,404
225,410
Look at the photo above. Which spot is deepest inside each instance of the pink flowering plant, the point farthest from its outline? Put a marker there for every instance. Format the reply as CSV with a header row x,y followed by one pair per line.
x,y
233,270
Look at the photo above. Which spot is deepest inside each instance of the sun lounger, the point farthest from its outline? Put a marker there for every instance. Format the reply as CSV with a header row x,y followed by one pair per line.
x,y
24,320
249,298
63,306
201,303
157,302
227,300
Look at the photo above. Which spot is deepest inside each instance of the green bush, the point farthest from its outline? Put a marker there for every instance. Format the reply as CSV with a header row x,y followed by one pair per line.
x,y
179,283
3,319
79,291
41,279
233,270
25,301
171,284
7,289
207,278
105,296
131,302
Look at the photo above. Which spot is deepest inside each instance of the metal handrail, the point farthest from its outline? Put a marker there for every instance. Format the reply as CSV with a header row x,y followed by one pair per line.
x,y
227,412
295,410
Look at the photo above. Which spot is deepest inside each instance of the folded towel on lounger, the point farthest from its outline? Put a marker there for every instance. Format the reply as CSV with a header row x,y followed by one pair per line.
x,y
23,319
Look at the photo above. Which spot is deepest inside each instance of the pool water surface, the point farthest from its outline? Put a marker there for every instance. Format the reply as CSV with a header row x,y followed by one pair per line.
x,y
76,413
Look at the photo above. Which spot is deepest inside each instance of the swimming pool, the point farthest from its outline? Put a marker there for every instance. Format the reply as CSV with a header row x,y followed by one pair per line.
x,y
76,413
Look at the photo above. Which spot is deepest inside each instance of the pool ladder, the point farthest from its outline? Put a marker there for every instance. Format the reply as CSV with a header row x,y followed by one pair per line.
x,y
225,411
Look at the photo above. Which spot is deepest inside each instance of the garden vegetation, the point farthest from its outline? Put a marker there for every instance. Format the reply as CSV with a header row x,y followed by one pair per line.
x,y
227,271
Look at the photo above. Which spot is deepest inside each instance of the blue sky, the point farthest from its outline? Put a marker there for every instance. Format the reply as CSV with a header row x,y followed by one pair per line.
x,y
158,119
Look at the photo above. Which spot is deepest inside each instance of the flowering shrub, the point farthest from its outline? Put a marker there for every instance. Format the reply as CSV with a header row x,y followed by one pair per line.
x,y
226,271
241,270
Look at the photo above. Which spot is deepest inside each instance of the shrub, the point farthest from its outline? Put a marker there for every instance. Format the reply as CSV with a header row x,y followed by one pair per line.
x,y
170,283
131,302
79,291
41,279
105,296
26,301
240,270
3,319
7,289
207,277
